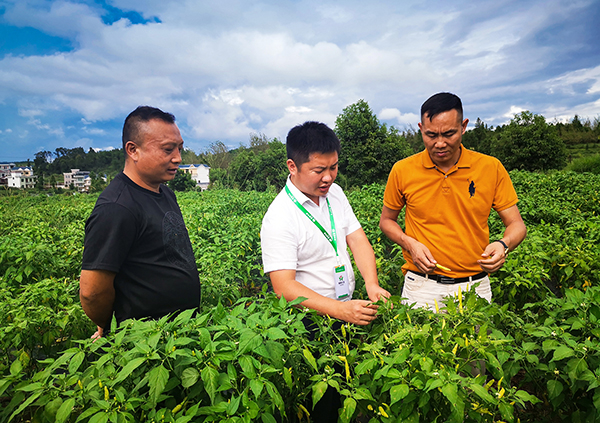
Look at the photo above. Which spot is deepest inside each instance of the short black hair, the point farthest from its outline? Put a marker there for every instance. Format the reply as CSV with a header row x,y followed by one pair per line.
x,y
440,103
131,127
310,137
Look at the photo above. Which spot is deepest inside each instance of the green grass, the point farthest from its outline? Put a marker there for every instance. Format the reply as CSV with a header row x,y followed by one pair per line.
x,y
589,163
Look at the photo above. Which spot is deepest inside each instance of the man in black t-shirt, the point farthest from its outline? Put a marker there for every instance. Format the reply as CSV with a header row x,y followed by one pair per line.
x,y
137,258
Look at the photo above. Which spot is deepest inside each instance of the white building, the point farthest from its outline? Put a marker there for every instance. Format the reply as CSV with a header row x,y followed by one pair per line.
x,y
5,169
199,173
77,178
5,172
21,177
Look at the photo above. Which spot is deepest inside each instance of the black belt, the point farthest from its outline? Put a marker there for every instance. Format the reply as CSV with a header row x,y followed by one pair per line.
x,y
446,280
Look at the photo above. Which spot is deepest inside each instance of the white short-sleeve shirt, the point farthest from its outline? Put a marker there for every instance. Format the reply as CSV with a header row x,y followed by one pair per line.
x,y
290,241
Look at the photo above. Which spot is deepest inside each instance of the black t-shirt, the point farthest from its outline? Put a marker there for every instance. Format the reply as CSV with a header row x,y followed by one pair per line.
x,y
140,235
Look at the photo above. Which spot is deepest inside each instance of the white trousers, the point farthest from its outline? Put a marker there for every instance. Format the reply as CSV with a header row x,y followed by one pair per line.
x,y
423,291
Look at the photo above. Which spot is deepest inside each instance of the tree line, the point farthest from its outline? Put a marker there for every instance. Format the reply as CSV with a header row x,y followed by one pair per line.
x,y
369,150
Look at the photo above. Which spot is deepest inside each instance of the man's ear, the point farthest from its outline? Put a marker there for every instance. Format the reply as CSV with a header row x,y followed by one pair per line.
x,y
131,149
292,167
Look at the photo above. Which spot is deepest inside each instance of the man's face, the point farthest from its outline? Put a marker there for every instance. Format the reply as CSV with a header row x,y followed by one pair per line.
x,y
442,137
314,178
158,156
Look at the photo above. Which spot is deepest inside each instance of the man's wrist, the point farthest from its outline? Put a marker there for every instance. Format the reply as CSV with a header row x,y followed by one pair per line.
x,y
506,249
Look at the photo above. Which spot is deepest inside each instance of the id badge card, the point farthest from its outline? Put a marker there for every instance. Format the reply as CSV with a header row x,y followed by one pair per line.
x,y
342,284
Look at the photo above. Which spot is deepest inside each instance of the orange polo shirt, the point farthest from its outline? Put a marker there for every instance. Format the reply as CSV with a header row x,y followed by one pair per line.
x,y
448,212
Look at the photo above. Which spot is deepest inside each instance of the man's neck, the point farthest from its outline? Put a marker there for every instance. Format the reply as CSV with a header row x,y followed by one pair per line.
x,y
314,199
136,179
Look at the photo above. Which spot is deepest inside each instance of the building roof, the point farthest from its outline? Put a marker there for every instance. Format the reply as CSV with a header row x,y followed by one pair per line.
x,y
187,166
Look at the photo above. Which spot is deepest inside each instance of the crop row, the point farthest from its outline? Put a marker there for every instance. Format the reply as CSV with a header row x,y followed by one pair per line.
x,y
532,354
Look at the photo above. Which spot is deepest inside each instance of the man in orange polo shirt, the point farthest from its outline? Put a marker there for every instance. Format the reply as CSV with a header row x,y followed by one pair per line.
x,y
449,192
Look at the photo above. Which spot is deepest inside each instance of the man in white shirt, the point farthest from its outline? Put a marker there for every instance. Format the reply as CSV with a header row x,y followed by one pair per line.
x,y
308,227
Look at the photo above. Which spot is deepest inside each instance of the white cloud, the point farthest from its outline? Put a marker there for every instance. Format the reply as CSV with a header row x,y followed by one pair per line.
x,y
565,83
589,110
336,13
401,118
299,110
230,68
33,114
514,110
30,113
95,131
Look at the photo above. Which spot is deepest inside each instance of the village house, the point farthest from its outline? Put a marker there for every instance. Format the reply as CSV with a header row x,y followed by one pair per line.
x,y
80,179
199,173
21,177
5,172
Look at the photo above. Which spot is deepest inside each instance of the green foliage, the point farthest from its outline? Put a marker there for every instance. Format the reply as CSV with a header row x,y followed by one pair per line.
x,y
369,148
39,320
561,357
211,367
414,139
561,211
224,227
532,355
188,156
182,181
98,183
586,164
218,155
64,159
41,237
414,365
480,138
258,167
529,143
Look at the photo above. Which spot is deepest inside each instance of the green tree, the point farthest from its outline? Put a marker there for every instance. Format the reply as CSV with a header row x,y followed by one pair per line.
x,y
52,181
414,139
369,148
218,156
41,161
528,142
98,184
188,156
39,182
182,182
259,166
478,138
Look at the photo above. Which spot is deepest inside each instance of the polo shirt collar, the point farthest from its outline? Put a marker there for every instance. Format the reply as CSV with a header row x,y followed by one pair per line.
x,y
300,196
464,161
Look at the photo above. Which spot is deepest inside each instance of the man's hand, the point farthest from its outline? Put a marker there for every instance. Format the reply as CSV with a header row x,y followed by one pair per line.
x,y
376,293
365,261
493,257
98,334
514,234
422,257
359,312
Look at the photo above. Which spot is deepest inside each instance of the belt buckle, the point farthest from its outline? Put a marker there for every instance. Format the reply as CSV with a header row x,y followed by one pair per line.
x,y
445,280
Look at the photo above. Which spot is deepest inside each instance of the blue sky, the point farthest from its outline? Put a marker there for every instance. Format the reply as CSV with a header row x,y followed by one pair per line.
x,y
71,71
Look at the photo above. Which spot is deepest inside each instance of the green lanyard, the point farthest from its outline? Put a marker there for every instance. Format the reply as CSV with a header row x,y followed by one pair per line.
x,y
331,238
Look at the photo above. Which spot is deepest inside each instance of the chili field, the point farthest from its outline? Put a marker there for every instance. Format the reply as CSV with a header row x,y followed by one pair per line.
x,y
532,355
